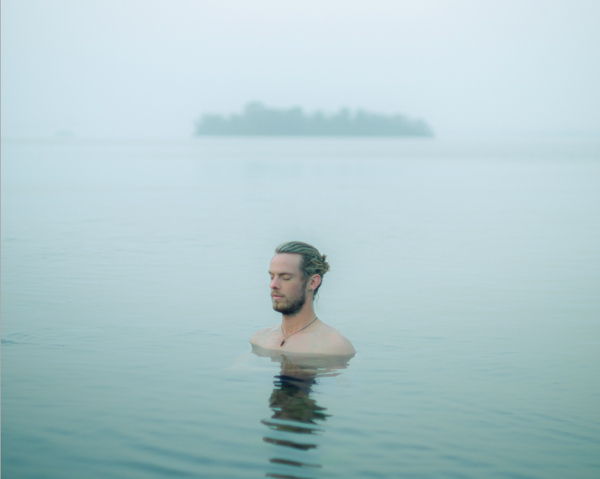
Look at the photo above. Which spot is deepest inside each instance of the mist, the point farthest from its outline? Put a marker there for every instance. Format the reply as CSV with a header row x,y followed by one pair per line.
x,y
133,69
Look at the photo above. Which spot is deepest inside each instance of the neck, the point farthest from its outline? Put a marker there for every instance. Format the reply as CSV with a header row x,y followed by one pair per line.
x,y
291,324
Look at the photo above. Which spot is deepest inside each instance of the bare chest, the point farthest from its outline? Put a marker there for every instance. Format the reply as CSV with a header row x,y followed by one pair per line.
x,y
297,343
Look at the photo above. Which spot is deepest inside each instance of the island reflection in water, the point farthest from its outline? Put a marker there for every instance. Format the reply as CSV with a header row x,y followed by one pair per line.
x,y
297,419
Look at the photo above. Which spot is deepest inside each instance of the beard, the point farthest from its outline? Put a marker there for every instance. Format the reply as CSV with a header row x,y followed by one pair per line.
x,y
294,307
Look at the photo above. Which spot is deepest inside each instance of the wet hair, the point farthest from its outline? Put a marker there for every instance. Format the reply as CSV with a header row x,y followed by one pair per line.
x,y
312,262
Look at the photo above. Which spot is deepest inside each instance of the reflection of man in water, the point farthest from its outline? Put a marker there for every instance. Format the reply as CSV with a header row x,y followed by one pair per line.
x,y
297,271
297,421
291,403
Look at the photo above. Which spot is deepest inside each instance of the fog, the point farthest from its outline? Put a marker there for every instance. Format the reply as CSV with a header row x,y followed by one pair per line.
x,y
149,69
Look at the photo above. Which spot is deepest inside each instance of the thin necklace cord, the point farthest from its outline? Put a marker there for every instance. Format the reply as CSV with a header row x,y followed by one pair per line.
x,y
285,339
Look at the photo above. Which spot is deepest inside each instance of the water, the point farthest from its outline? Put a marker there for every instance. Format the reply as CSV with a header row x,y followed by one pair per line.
x,y
466,274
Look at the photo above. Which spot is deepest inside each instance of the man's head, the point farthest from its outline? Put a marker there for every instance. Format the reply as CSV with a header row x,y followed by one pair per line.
x,y
311,261
297,271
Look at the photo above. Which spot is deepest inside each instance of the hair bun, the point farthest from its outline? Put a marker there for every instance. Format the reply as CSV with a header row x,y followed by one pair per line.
x,y
325,263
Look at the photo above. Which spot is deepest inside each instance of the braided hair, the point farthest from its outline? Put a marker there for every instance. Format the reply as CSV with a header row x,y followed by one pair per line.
x,y
312,262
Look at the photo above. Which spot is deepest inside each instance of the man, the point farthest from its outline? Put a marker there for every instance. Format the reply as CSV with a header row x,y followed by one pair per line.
x,y
297,271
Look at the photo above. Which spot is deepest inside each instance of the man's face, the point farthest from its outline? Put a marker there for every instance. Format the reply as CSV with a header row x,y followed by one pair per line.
x,y
288,289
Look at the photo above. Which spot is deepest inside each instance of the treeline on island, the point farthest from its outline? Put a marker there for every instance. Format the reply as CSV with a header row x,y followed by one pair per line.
x,y
258,120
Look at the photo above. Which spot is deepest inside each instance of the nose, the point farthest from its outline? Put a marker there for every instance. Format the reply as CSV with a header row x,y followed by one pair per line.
x,y
274,283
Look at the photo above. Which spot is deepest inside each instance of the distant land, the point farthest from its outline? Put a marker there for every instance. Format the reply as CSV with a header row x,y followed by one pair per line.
x,y
258,120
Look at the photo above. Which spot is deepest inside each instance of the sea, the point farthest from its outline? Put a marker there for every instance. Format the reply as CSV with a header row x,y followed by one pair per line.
x,y
465,272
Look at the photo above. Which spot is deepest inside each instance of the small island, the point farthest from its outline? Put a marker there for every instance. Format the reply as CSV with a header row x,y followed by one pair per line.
x,y
258,120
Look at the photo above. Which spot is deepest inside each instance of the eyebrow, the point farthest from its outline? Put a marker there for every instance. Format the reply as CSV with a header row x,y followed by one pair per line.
x,y
280,274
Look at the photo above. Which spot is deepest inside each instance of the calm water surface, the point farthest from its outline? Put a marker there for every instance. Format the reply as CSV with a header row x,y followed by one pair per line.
x,y
467,275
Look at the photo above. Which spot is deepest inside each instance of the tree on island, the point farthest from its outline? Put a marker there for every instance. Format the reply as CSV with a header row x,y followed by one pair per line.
x,y
258,120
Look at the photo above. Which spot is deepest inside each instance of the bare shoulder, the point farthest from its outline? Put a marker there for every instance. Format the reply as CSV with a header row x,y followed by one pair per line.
x,y
261,335
335,342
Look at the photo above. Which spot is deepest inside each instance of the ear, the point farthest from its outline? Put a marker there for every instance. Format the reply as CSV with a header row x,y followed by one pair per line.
x,y
314,283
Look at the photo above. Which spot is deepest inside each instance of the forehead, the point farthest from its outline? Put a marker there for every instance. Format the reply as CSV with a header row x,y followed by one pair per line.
x,y
285,263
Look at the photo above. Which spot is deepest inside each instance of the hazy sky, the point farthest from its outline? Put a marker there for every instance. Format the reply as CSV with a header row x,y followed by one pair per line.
x,y
141,68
